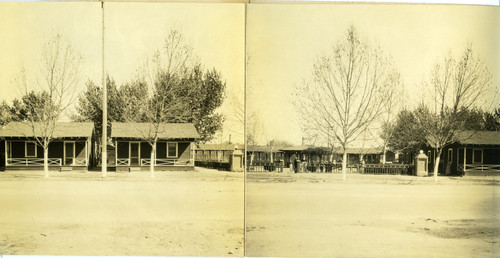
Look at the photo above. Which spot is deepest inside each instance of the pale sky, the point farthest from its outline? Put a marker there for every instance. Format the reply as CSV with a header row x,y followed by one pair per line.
x,y
215,31
282,43
132,32
284,40
25,26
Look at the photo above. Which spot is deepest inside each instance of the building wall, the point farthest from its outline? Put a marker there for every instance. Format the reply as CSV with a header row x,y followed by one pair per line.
x,y
18,150
161,150
183,150
122,150
491,156
80,149
2,153
56,150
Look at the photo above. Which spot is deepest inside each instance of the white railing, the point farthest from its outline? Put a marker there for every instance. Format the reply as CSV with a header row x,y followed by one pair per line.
x,y
79,162
167,162
32,162
480,167
122,162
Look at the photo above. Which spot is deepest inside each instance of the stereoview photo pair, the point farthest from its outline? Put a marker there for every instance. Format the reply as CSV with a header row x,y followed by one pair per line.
x,y
232,129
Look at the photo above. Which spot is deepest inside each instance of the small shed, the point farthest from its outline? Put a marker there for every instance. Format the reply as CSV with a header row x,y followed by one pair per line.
x,y
71,145
175,147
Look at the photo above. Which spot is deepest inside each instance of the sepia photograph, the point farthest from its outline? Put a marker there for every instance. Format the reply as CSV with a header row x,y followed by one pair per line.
x,y
372,130
122,129
238,128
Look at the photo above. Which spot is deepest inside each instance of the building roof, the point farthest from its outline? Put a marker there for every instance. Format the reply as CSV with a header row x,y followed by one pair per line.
x,y
144,130
361,151
262,148
295,148
479,137
61,130
306,148
223,146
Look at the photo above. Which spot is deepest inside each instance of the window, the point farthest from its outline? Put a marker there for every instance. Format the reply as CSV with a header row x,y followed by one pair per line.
x,y
172,150
477,156
30,149
450,155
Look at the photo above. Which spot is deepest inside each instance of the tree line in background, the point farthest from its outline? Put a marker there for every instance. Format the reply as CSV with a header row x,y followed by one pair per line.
x,y
171,86
355,90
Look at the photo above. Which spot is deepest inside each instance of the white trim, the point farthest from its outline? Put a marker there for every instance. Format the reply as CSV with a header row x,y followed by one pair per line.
x,y
64,153
116,152
6,155
176,150
465,158
26,149
86,152
138,152
473,156
450,160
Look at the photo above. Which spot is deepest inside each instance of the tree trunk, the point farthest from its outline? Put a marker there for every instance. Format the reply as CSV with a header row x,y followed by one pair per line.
x,y
153,160
344,165
436,164
384,154
46,160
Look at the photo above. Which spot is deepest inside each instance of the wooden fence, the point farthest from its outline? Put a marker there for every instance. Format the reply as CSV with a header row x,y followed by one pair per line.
x,y
265,167
223,166
388,169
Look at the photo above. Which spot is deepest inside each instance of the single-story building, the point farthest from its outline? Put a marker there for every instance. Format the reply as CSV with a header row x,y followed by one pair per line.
x,y
263,154
70,148
216,152
175,147
355,155
291,153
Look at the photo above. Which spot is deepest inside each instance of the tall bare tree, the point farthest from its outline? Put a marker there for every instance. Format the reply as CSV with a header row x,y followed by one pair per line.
x,y
348,91
253,131
169,94
59,80
395,102
458,84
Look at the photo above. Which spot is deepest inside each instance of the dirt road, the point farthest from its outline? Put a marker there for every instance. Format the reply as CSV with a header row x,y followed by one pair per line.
x,y
177,213
371,216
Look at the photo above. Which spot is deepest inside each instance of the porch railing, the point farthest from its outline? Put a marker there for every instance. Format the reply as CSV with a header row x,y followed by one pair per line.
x,y
479,167
79,162
122,162
167,162
32,162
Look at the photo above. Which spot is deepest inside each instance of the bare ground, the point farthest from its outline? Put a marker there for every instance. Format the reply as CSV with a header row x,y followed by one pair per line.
x,y
319,215
177,213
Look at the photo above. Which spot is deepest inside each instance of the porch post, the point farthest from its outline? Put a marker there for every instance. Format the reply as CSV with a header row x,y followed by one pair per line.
x,y
86,153
6,156
116,153
192,153
465,155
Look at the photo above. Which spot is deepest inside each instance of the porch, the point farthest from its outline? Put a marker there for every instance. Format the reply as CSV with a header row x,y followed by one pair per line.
x,y
477,160
135,154
62,153
39,162
157,162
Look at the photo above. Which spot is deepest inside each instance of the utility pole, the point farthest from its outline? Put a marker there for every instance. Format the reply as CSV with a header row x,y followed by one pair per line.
x,y
104,141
